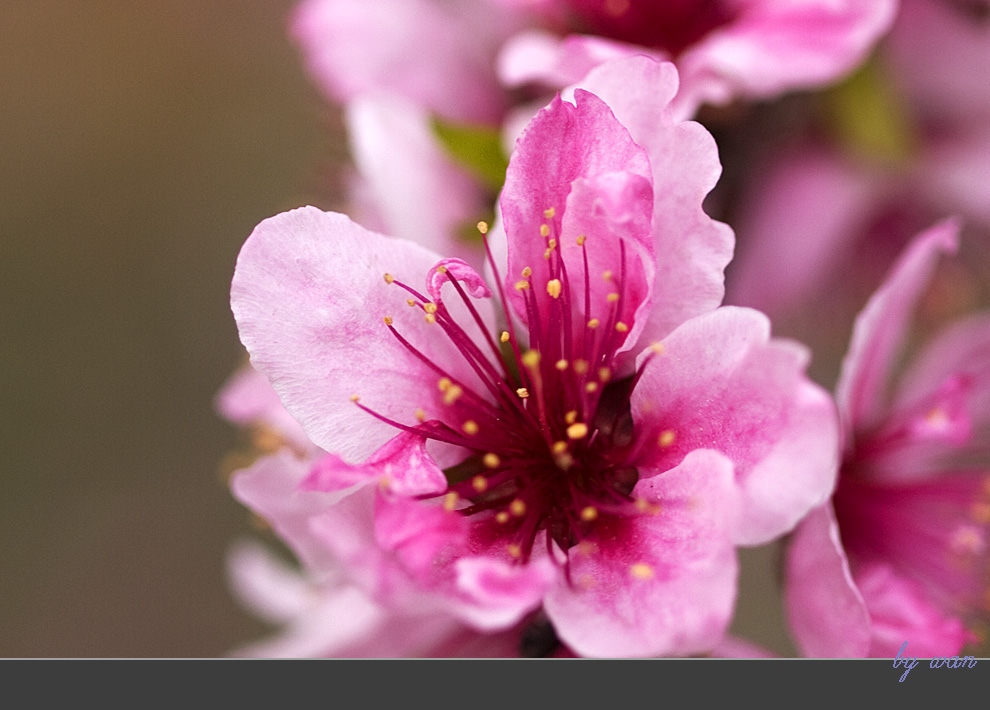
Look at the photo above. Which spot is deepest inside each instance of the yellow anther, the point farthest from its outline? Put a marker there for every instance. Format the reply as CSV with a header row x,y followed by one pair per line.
x,y
527,272
517,508
606,275
980,512
547,253
430,307
549,212
591,387
561,364
355,398
604,374
452,394
531,358
442,269
410,302
491,460
387,320
522,285
522,392
514,550
570,417
502,517
504,337
444,383
450,501
553,288
430,318
389,278
578,430
612,297
645,506
593,323
482,227
384,482
479,483
420,415
586,548
558,447
621,327
657,348
470,427
589,513
666,438
581,240
641,570
552,244
580,366
544,230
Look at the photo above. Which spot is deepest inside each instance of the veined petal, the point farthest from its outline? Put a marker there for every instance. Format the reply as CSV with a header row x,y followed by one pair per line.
x,y
581,159
691,248
667,583
880,328
721,383
309,298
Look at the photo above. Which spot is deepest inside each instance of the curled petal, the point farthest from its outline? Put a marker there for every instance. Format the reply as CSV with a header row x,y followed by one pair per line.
x,y
459,270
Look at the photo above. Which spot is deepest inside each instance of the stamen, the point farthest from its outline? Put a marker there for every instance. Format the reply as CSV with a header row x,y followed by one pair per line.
x,y
389,278
593,323
504,337
482,227
549,212
470,427
479,483
589,513
491,460
517,507
450,501
553,288
387,320
502,517
641,570
570,417
561,364
577,431
544,231
666,438
621,327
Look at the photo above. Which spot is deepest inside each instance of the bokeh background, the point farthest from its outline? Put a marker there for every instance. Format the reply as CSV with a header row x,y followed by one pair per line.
x,y
140,142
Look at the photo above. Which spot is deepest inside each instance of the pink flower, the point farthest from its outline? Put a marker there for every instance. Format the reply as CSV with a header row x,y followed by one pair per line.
x,y
599,446
900,554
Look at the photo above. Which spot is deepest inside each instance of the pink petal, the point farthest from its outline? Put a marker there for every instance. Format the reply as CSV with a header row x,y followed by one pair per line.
x,y
772,47
247,399
721,383
271,489
576,172
825,611
494,594
900,612
309,299
439,55
691,248
881,325
418,191
661,583
266,585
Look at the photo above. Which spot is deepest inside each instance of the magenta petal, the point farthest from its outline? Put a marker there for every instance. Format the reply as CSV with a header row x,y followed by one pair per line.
x,y
419,536
900,612
309,298
667,584
721,383
691,248
579,148
825,611
880,327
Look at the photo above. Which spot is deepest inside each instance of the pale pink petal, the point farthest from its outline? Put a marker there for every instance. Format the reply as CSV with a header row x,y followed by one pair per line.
x,y
420,537
772,47
825,611
309,298
418,191
576,172
881,326
439,55
954,170
536,57
493,594
938,52
721,383
691,248
248,399
667,583
798,223
900,612
270,487
266,585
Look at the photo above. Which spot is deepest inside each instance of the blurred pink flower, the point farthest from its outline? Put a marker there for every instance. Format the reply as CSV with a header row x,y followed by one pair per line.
x,y
900,554
573,461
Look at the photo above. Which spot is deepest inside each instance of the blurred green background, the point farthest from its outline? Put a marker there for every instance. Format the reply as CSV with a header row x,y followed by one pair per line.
x,y
140,142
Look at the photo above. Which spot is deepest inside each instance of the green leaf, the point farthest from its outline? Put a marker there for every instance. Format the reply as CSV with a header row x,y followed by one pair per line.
x,y
477,148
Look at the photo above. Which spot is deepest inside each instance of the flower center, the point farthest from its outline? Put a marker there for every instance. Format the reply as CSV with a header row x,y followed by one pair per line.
x,y
672,25
547,435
